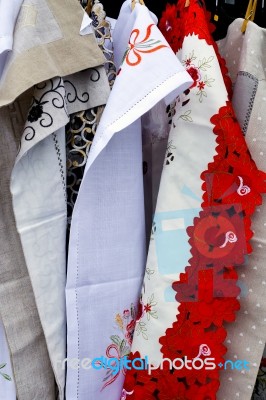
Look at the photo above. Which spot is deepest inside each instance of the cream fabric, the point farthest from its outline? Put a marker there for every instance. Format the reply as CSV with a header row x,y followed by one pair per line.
x,y
191,146
47,43
246,61
40,206
17,304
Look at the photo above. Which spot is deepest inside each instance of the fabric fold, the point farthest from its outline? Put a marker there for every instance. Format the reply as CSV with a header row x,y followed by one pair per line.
x,y
107,237
209,190
246,63
40,208
46,37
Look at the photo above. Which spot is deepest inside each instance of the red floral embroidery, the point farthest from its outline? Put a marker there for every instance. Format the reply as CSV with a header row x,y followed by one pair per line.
x,y
219,238
201,85
179,21
147,308
194,72
130,331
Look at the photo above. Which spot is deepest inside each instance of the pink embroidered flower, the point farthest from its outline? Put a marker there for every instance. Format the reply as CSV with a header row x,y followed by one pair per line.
x,y
194,72
130,331
188,62
126,314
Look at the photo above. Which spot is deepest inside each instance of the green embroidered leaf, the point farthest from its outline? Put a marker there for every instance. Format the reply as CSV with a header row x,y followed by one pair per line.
x,y
122,344
7,377
151,298
186,116
204,64
144,336
2,366
108,375
124,349
142,324
116,340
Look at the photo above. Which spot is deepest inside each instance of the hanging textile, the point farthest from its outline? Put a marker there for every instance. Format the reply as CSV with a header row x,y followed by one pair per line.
x,y
107,237
209,189
83,125
32,293
246,61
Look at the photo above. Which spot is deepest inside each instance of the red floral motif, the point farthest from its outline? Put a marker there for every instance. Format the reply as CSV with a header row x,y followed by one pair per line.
x,y
201,85
147,308
130,331
194,72
141,310
185,21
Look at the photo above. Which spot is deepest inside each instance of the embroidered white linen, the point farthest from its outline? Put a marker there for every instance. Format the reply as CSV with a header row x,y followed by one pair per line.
x,y
191,146
40,206
8,16
107,238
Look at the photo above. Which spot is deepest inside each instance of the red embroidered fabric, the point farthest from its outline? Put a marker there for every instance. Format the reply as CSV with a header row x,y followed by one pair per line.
x,y
179,21
219,238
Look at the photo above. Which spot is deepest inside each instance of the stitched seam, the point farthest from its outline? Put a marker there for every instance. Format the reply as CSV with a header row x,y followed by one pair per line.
x,y
252,99
77,311
61,165
140,101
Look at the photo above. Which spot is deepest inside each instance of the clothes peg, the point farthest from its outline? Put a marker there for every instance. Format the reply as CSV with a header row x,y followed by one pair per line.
x,y
250,14
133,3
216,14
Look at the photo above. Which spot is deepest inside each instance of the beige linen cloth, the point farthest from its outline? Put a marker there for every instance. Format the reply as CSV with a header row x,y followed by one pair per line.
x,y
246,60
47,43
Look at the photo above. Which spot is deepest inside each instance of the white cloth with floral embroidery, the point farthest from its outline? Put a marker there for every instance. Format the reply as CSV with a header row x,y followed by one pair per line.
x,y
40,207
107,239
191,146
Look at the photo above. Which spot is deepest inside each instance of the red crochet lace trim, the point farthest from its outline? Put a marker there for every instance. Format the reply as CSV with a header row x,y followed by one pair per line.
x,y
179,21
207,291
219,239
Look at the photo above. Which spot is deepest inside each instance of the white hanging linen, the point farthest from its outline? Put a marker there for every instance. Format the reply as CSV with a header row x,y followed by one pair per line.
x,y
107,239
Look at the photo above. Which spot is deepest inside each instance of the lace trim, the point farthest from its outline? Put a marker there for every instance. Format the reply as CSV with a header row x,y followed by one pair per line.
x,y
219,240
179,21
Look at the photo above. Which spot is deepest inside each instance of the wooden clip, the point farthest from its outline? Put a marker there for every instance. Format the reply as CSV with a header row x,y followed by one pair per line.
x,y
250,14
133,3
89,7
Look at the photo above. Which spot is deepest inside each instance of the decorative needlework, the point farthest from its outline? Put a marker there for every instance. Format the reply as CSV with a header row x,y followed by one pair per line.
x,y
206,292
